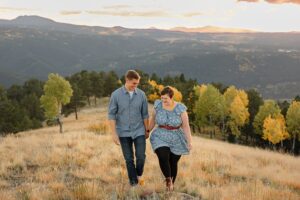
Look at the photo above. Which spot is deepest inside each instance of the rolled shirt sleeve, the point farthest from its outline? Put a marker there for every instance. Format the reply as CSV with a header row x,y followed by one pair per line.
x,y
145,114
112,108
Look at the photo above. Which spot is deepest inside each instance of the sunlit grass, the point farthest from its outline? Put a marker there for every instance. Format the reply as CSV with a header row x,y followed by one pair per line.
x,y
83,163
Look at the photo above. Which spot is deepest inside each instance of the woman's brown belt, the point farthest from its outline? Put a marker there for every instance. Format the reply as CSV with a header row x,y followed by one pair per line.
x,y
169,127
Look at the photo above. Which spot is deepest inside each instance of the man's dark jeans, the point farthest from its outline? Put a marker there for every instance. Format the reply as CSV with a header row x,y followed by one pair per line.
x,y
127,149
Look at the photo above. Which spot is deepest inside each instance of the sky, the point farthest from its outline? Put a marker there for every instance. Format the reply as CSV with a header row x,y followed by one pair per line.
x,y
259,15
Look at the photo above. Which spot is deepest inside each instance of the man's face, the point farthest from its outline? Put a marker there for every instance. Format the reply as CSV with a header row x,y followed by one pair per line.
x,y
132,84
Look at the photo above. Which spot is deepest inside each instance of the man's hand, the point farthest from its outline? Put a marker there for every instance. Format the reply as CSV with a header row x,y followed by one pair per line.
x,y
116,139
190,146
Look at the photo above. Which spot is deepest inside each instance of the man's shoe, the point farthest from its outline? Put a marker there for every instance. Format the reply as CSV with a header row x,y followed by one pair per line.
x,y
141,181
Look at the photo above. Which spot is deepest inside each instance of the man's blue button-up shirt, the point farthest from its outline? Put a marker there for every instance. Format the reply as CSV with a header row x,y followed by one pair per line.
x,y
129,113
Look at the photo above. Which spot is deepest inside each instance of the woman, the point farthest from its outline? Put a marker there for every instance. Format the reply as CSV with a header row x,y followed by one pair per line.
x,y
172,137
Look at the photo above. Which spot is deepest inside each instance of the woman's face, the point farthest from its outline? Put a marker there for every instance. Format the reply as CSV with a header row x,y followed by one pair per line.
x,y
166,99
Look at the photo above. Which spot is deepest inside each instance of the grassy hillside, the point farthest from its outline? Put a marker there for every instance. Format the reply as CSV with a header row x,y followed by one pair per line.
x,y
79,164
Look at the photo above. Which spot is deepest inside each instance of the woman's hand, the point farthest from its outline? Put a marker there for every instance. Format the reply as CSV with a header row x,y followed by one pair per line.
x,y
186,129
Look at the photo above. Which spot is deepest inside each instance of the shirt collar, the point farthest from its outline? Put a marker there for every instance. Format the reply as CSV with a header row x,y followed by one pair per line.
x,y
125,91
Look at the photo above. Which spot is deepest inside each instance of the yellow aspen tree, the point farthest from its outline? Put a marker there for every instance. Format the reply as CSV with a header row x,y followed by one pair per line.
x,y
274,129
237,109
239,114
268,108
157,88
177,95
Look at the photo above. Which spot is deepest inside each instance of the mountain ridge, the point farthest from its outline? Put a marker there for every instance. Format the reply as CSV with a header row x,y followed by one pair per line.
x,y
266,61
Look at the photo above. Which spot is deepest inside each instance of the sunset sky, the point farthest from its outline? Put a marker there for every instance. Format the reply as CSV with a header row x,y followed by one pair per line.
x,y
261,15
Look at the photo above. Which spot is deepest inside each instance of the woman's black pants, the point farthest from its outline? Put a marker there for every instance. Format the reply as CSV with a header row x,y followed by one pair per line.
x,y
168,162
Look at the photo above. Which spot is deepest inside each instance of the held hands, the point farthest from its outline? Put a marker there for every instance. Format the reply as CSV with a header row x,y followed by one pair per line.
x,y
147,133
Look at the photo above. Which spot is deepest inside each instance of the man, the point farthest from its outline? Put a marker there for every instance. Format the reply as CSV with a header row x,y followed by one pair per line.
x,y
128,116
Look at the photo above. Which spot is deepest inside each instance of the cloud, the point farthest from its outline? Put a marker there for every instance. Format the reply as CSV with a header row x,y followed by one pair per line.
x,y
11,9
70,12
250,0
116,6
275,1
155,13
151,13
192,14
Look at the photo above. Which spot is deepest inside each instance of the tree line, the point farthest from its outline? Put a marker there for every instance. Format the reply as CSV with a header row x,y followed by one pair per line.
x,y
215,110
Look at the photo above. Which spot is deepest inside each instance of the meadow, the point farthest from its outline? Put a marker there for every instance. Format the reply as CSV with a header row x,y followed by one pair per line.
x,y
83,163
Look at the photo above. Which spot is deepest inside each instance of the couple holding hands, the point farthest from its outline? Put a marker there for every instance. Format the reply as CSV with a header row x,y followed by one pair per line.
x,y
130,124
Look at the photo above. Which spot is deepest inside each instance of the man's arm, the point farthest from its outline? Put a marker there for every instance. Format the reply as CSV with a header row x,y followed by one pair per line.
x,y
145,116
146,123
112,112
114,135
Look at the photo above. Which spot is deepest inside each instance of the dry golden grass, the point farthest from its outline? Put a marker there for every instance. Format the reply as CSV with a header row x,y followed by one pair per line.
x,y
101,128
79,164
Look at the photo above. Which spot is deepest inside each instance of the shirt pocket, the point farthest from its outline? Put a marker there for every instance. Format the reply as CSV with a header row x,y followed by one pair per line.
x,y
136,109
123,106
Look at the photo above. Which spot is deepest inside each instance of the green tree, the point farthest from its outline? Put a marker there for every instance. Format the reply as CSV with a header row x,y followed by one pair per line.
x,y
13,118
255,100
268,108
15,93
86,85
189,99
58,92
32,106
144,82
210,107
284,106
182,78
222,88
111,82
77,101
34,86
97,85
156,78
168,80
3,95
293,121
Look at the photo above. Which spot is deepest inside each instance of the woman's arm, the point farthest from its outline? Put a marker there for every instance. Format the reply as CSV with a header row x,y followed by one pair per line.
x,y
152,120
186,129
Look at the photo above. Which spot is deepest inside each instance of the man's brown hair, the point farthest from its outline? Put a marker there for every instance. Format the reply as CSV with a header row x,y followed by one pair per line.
x,y
132,74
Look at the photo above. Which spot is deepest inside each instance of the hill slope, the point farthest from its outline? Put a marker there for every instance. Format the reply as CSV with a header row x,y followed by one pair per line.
x,y
79,164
